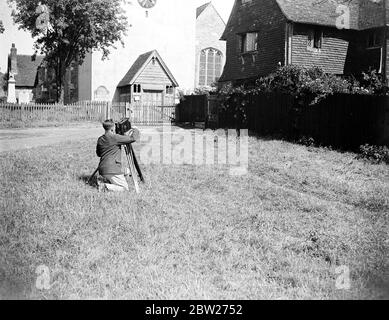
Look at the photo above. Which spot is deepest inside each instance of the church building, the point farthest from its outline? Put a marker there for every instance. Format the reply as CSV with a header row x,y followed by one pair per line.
x,y
187,52
186,37
210,51
168,27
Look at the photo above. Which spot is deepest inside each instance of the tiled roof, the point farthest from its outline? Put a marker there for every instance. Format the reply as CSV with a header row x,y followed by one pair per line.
x,y
27,70
201,9
363,13
138,66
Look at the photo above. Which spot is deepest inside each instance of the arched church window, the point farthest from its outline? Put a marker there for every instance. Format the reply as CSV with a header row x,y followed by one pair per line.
x,y
210,66
102,94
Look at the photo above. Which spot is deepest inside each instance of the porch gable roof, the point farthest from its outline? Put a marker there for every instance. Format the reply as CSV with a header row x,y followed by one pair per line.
x,y
140,64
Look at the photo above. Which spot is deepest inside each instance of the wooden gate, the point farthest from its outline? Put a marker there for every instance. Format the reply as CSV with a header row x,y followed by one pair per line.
x,y
145,114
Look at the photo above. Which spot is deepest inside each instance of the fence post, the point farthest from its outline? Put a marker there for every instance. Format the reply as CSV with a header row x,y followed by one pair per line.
x,y
128,110
22,112
108,110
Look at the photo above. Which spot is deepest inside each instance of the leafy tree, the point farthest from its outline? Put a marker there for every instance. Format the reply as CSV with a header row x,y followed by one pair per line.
x,y
66,30
1,27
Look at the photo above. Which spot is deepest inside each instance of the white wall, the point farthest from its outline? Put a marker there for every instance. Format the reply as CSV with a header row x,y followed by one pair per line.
x,y
170,29
85,80
24,95
209,29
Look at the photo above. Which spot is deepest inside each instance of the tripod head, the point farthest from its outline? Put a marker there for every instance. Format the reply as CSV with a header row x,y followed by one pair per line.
x,y
124,126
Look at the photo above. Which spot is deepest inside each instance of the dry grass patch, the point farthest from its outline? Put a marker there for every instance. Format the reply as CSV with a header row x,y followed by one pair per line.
x,y
195,232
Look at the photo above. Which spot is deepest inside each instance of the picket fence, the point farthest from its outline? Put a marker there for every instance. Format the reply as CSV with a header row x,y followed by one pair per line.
x,y
33,112
140,113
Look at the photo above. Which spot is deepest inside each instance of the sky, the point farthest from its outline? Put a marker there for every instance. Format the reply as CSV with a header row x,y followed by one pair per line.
x,y
25,42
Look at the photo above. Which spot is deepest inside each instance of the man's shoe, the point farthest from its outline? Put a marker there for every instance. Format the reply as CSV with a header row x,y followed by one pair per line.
x,y
127,172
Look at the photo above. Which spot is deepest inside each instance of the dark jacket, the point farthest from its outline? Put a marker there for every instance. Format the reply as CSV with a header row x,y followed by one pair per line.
x,y
109,150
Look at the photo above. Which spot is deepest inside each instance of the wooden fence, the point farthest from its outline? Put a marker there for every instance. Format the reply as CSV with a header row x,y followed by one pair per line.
x,y
146,114
140,113
342,120
81,111
151,113
192,109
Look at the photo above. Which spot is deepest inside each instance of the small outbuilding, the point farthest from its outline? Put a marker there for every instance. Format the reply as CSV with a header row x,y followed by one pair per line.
x,y
149,81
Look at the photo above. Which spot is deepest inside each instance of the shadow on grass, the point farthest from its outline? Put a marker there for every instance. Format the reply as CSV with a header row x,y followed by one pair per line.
x,y
187,125
88,180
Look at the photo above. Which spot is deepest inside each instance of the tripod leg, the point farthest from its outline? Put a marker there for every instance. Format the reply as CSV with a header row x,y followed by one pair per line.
x,y
137,167
92,176
133,175
131,166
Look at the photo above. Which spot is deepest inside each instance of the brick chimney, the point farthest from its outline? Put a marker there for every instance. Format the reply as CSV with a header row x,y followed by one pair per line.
x,y
13,64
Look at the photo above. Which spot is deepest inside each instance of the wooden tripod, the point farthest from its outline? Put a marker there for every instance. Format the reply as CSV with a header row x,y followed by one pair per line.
x,y
134,167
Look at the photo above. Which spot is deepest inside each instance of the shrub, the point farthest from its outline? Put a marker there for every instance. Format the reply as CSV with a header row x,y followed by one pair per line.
x,y
374,83
207,90
234,101
307,141
374,154
308,85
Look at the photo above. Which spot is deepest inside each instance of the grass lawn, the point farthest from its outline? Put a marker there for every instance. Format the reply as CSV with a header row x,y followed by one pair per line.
x,y
17,124
195,232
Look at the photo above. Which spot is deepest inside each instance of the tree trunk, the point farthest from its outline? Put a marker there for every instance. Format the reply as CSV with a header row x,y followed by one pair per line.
x,y
61,99
60,80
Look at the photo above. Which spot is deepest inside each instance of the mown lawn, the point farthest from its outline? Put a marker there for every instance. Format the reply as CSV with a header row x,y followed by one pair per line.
x,y
195,232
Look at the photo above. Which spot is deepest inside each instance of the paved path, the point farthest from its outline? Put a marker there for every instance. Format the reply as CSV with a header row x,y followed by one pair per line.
x,y
19,139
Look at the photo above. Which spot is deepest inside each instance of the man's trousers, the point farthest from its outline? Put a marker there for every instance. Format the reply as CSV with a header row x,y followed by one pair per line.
x,y
117,183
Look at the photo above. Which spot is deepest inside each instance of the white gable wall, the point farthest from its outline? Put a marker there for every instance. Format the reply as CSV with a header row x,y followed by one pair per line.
x,y
209,29
170,29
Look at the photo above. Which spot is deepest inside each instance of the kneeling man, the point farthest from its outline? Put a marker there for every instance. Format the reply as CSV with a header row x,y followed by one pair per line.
x,y
109,149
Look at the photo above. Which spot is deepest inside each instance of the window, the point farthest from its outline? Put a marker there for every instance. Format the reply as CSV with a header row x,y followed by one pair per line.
x,y
218,66
137,88
211,61
169,90
315,39
101,94
249,42
373,40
